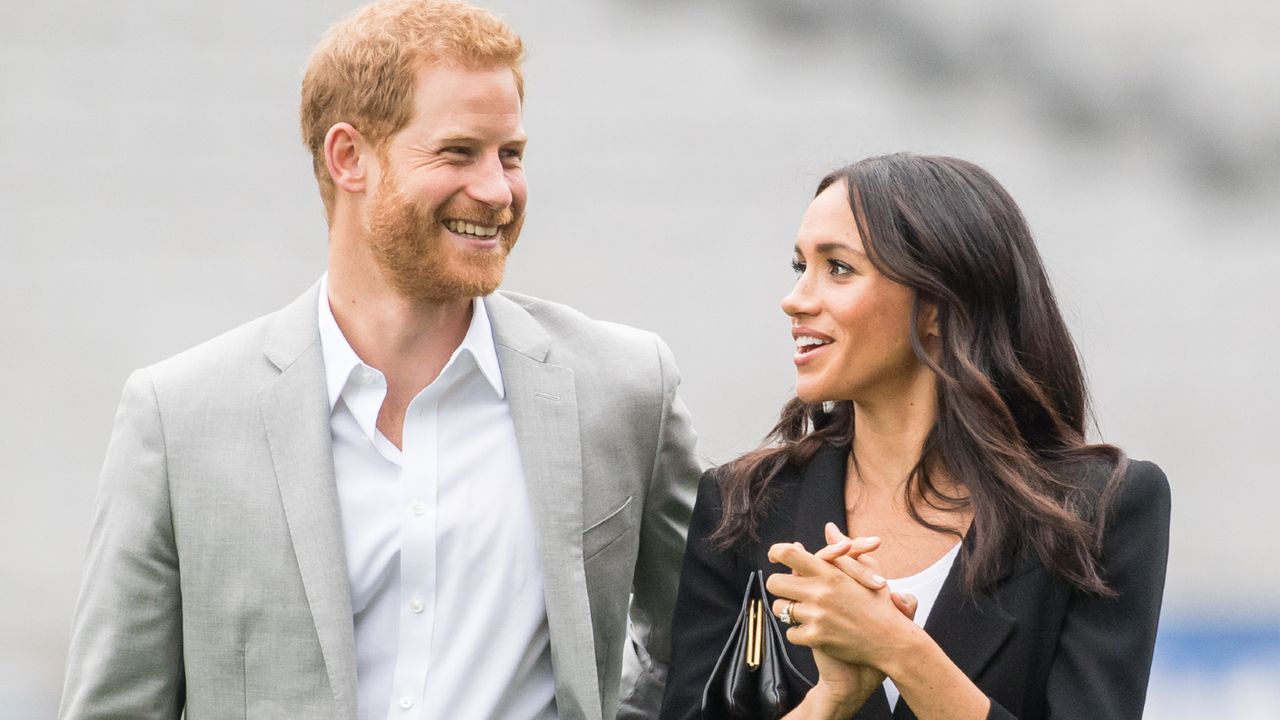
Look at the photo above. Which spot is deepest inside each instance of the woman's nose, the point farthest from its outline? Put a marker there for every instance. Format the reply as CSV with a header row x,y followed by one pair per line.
x,y
800,301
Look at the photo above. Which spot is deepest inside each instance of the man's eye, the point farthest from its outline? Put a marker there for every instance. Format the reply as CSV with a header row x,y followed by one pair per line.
x,y
456,150
798,266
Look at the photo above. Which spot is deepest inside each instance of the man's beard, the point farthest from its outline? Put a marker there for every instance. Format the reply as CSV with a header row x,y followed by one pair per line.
x,y
421,261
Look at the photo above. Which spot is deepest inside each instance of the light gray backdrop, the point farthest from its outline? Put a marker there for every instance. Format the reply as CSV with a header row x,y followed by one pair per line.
x,y
154,192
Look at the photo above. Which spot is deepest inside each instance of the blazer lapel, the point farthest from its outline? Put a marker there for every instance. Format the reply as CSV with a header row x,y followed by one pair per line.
x,y
970,630
821,497
295,414
545,412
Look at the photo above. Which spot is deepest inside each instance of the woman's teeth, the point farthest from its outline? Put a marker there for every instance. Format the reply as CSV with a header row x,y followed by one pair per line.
x,y
805,343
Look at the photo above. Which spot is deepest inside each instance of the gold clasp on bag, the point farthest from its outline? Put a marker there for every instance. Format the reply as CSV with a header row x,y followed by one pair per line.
x,y
755,634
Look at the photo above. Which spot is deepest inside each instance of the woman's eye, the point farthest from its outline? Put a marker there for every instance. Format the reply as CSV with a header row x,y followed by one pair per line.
x,y
839,268
797,267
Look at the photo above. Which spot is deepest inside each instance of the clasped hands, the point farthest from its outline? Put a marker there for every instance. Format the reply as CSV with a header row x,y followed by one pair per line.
x,y
842,609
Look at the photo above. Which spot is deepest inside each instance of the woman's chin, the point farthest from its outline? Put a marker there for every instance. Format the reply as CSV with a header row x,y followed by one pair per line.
x,y
811,396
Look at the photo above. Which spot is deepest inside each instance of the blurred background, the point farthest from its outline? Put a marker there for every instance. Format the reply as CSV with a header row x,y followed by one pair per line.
x,y
155,193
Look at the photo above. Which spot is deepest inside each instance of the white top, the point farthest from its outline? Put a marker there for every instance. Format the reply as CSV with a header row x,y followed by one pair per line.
x,y
925,585
446,583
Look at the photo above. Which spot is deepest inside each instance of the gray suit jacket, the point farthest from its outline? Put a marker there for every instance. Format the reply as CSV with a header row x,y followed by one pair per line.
x,y
216,579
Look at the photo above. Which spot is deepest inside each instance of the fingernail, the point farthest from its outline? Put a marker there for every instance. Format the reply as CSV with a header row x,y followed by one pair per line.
x,y
877,579
873,539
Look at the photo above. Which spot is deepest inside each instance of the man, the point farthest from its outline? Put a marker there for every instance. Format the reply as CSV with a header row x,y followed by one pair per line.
x,y
405,495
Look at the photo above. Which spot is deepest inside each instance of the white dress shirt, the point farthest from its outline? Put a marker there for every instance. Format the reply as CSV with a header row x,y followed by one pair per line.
x,y
446,584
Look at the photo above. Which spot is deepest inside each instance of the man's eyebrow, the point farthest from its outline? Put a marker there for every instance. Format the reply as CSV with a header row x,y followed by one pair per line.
x,y
468,139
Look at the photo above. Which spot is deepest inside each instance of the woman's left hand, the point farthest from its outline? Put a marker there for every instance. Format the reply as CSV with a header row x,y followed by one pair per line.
x,y
834,613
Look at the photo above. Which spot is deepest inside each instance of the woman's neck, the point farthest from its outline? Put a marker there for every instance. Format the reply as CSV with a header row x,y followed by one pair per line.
x,y
889,432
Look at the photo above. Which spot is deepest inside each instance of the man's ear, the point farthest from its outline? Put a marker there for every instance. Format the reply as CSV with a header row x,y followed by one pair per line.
x,y
347,156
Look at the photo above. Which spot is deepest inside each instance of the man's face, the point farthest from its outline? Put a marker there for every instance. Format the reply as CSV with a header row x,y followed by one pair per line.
x,y
450,199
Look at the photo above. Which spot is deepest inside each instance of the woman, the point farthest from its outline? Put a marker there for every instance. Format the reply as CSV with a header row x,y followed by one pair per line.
x,y
940,420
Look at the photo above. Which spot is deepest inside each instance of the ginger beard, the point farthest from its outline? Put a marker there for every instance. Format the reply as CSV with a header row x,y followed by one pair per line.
x,y
418,257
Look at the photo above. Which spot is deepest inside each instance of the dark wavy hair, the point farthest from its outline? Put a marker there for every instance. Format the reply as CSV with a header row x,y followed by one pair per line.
x,y
1011,397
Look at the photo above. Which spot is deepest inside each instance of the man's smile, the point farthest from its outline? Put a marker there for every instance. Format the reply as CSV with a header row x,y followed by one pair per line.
x,y
463,227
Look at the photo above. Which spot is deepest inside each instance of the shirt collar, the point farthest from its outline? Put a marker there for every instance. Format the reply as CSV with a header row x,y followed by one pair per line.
x,y
340,360
479,342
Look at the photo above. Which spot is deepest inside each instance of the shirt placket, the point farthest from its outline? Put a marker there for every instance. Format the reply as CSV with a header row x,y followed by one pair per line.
x,y
418,555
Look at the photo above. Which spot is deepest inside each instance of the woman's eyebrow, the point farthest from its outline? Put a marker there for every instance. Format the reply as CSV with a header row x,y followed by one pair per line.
x,y
826,248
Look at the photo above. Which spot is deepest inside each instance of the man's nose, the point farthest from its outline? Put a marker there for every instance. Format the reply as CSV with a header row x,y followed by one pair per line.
x,y
489,184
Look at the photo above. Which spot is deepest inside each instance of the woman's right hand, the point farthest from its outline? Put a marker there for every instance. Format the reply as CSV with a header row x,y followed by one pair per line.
x,y
864,568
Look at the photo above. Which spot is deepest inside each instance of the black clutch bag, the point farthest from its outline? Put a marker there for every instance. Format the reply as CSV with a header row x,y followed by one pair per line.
x,y
753,678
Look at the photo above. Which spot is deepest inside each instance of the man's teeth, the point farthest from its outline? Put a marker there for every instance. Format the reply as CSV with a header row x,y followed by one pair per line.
x,y
807,341
466,228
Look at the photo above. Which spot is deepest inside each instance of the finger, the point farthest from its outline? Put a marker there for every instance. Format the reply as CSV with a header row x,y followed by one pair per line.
x,y
865,576
833,533
788,586
906,603
858,545
801,635
834,550
781,604
794,556
870,561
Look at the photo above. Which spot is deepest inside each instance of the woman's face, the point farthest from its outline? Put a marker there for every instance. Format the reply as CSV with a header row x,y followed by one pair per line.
x,y
851,324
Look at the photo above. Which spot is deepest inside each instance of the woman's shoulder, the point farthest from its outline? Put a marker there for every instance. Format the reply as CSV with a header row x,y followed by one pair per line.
x,y
757,512
1140,488
1146,478
1143,489
789,474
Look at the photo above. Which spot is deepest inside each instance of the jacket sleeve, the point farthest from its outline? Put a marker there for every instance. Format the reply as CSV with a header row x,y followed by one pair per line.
x,y
125,658
668,504
1103,660
706,608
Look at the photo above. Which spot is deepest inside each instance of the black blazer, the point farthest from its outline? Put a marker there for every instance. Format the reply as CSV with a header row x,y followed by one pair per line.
x,y
1037,648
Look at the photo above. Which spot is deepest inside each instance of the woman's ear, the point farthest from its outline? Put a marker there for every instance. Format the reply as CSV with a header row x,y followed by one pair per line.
x,y
928,319
345,156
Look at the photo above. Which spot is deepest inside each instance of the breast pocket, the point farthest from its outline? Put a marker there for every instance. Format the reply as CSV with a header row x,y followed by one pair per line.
x,y
604,532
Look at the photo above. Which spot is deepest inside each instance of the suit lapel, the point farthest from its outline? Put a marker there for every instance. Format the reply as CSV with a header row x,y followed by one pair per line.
x,y
295,414
545,412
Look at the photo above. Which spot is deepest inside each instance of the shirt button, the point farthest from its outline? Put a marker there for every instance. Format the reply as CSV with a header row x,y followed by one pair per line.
x,y
418,507
406,702
416,604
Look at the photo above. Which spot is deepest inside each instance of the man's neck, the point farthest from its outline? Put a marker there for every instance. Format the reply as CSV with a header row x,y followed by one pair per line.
x,y
408,341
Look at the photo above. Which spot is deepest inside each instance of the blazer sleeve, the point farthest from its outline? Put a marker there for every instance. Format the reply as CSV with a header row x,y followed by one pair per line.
x,y
1103,661
664,524
706,607
125,658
